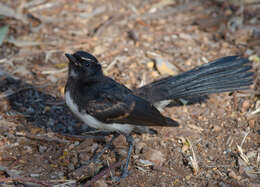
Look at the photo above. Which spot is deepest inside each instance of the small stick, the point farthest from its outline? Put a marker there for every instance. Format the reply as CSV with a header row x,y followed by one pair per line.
x,y
42,138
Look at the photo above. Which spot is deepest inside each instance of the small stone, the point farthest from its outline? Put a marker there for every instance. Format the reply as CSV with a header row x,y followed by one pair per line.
x,y
132,35
255,58
155,156
155,74
145,162
165,67
150,65
188,177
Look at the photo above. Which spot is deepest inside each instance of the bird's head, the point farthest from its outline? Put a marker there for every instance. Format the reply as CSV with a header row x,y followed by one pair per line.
x,y
83,65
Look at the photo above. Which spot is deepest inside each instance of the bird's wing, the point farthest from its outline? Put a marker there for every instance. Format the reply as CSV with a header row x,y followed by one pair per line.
x,y
126,108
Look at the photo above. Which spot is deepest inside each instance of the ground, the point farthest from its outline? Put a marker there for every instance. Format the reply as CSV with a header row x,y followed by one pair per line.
x,y
43,144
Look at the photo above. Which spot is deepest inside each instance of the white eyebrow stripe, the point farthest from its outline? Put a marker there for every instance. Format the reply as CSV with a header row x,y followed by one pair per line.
x,y
87,59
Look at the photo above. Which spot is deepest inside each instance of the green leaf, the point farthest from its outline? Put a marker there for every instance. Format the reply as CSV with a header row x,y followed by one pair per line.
x,y
3,33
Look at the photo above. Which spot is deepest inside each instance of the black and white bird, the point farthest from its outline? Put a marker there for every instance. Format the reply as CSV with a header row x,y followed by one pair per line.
x,y
104,104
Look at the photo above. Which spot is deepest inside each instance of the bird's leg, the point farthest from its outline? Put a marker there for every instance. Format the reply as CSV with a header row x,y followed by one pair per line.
x,y
130,142
124,174
107,146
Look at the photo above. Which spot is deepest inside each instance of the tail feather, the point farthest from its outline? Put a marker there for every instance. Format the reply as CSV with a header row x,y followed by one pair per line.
x,y
221,78
223,75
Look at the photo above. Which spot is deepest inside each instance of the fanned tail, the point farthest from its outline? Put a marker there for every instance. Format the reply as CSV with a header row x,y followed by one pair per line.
x,y
226,74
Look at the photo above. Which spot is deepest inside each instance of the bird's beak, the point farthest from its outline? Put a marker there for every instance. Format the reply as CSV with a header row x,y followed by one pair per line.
x,y
71,58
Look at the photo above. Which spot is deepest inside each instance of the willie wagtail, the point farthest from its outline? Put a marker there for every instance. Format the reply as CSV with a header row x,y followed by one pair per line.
x,y
104,104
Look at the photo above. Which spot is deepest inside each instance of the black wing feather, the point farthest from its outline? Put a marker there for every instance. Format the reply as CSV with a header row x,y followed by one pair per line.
x,y
117,105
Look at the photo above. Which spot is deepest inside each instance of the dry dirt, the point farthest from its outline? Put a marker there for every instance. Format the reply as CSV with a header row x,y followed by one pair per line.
x,y
42,144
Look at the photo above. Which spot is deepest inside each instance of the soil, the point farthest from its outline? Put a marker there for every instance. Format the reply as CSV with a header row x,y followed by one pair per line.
x,y
43,144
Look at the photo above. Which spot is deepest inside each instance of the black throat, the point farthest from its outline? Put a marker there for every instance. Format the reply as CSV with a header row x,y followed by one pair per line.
x,y
82,91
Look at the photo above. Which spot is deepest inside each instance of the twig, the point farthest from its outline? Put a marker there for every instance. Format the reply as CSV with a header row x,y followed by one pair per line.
x,y
111,65
54,71
254,112
161,13
242,154
65,183
97,11
193,159
99,29
240,150
101,174
246,134
15,162
110,171
42,138
24,180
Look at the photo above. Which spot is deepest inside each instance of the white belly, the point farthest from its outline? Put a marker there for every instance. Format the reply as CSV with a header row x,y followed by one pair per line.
x,y
93,122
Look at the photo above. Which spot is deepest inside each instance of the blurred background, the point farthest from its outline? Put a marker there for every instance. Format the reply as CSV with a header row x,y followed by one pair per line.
x,y
136,42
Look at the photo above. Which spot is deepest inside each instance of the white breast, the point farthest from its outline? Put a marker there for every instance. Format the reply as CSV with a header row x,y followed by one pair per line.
x,y
93,122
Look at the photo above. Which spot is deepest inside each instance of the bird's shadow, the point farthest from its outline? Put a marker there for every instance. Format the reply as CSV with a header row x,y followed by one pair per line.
x,y
38,108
